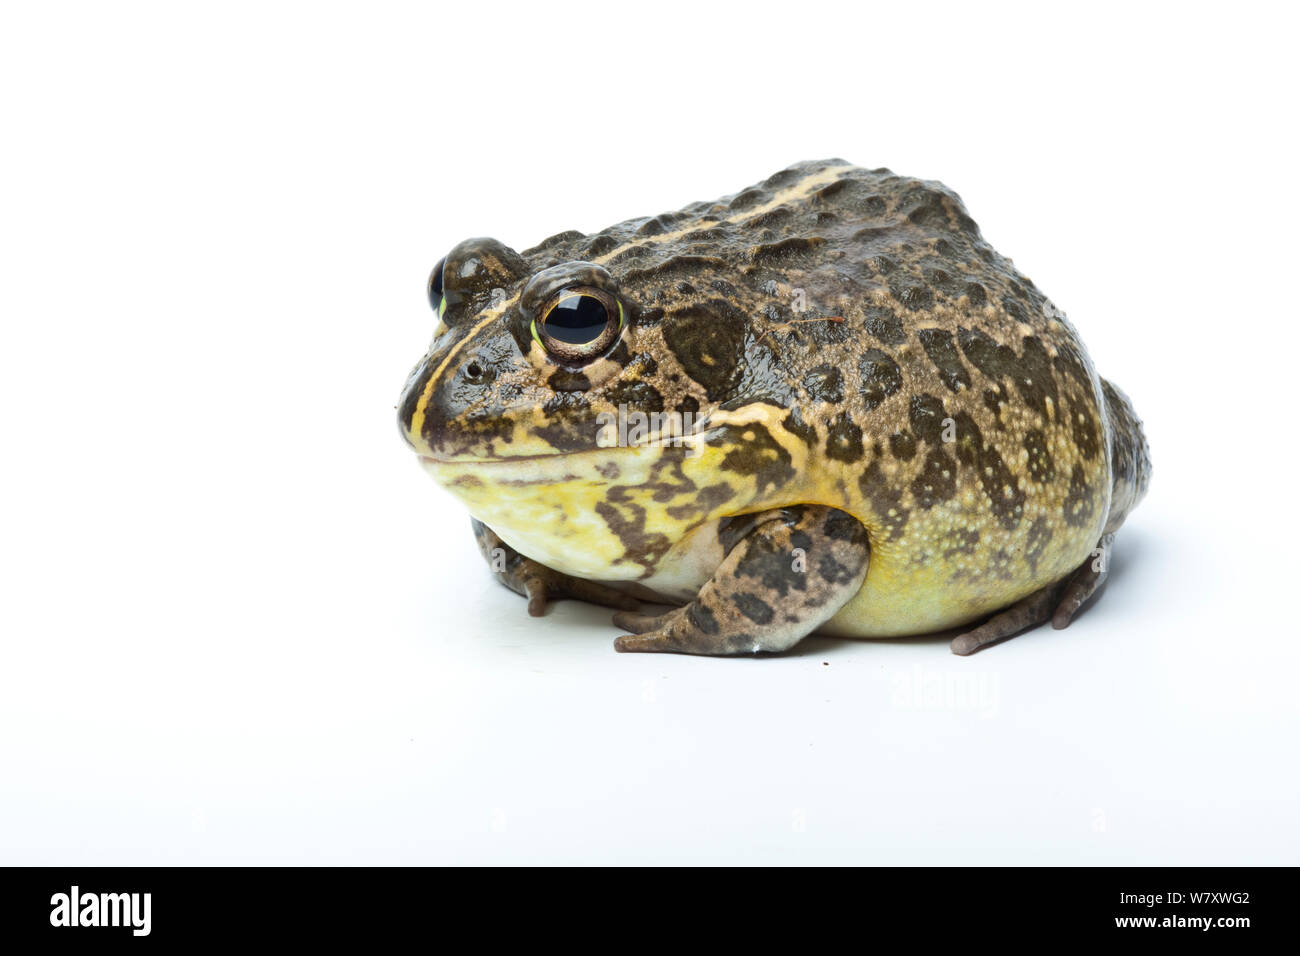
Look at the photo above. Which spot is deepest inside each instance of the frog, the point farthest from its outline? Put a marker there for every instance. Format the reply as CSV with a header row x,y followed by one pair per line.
x,y
823,404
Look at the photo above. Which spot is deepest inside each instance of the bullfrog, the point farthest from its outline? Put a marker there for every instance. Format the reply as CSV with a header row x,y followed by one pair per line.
x,y
822,404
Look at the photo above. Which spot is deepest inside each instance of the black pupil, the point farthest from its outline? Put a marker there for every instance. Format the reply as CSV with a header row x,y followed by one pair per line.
x,y
577,319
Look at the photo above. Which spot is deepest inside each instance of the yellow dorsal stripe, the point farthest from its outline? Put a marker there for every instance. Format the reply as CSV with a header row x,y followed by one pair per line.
x,y
797,190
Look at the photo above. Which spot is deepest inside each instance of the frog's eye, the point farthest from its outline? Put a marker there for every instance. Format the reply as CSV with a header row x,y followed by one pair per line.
x,y
435,288
577,325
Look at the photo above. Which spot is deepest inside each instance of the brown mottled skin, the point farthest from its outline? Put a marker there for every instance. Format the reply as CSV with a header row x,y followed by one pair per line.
x,y
889,430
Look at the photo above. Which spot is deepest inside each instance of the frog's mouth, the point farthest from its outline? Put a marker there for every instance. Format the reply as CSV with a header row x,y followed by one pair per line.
x,y
653,447
623,465
428,460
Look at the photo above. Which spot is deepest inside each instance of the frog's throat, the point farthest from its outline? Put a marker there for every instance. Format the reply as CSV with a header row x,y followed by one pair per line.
x,y
608,513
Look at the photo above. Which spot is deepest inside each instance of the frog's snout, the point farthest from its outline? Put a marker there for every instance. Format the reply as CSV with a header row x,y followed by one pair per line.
x,y
450,409
425,416
422,416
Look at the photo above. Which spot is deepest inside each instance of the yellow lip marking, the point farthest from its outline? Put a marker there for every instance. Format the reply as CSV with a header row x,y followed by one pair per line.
x,y
417,419
795,191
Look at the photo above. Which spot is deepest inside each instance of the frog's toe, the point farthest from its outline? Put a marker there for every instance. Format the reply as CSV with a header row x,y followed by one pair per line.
x,y
657,633
651,633
1024,614
683,630
1057,603
537,592
542,585
597,593
640,623
643,643
1084,583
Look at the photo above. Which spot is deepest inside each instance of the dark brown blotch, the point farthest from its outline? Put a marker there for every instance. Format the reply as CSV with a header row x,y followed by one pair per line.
x,y
753,452
824,384
708,341
885,500
938,344
841,526
926,416
705,501
784,250
902,445
1080,503
766,559
1037,384
794,423
1041,467
912,292
1030,371
937,481
884,324
1006,499
880,375
627,520
1083,425
753,607
636,396
843,439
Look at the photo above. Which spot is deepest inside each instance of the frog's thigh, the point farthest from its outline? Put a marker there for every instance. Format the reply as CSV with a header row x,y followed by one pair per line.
x,y
794,569
1057,601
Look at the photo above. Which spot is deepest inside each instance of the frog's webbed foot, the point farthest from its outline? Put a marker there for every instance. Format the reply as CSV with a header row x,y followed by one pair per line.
x,y
1058,602
789,574
539,583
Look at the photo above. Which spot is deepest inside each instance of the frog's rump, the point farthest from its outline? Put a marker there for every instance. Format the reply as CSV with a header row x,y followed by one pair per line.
x,y
1130,456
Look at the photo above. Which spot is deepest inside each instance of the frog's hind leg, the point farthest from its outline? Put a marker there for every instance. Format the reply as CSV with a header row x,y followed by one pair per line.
x,y
790,570
1024,614
1084,583
1058,602
539,583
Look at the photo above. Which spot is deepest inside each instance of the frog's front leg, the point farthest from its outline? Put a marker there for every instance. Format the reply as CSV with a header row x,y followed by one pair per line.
x,y
539,583
789,572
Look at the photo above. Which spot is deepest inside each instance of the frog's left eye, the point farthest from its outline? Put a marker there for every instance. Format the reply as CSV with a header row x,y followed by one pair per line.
x,y
576,325
435,288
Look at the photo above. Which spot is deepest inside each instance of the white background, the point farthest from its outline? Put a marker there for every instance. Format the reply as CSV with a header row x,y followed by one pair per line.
x,y
240,624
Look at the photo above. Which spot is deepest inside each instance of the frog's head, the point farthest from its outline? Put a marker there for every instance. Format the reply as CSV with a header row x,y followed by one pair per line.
x,y
549,369
537,358
522,360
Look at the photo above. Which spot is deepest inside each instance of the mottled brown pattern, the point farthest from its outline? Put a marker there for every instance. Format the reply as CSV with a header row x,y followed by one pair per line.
x,y
845,337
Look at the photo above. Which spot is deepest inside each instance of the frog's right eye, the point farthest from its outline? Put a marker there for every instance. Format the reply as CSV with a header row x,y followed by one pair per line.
x,y
577,325
435,288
